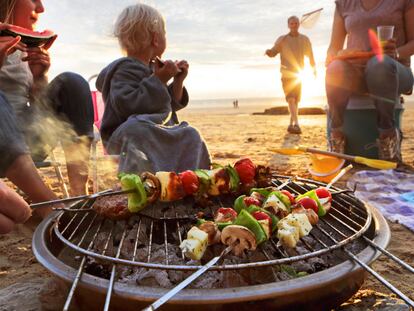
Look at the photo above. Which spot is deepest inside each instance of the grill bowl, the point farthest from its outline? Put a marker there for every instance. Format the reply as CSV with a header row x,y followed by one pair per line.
x,y
318,291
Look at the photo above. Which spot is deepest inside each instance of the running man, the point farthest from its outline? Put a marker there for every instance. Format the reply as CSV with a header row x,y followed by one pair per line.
x,y
293,47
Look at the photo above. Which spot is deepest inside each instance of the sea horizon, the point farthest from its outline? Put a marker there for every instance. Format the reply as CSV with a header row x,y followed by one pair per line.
x,y
259,104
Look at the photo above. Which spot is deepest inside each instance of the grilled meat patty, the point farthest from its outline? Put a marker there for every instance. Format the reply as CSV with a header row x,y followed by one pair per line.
x,y
113,207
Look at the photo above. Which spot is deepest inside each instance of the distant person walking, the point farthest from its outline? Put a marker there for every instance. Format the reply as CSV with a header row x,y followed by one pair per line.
x,y
293,47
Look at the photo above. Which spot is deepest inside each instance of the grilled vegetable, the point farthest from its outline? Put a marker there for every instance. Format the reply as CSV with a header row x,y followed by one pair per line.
x,y
138,199
240,237
246,170
265,221
212,230
234,178
195,245
204,182
275,205
190,182
308,203
152,186
325,197
219,181
171,186
239,203
312,194
310,213
252,209
225,214
245,219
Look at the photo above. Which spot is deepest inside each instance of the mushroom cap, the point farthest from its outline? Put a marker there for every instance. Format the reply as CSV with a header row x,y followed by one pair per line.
x,y
152,186
240,238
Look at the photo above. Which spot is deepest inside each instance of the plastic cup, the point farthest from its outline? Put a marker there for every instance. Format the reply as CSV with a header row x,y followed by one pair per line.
x,y
385,33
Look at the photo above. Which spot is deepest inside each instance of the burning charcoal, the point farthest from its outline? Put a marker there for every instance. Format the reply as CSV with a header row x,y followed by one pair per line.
x,y
127,250
98,269
284,276
208,280
318,264
303,265
157,278
101,243
233,278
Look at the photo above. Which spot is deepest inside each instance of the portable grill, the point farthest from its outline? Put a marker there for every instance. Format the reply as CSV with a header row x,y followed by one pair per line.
x,y
351,235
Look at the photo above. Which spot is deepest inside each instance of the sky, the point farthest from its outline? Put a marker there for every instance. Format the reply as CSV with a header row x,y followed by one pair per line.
x,y
223,41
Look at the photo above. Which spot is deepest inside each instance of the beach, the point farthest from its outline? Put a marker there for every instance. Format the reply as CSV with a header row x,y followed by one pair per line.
x,y
230,134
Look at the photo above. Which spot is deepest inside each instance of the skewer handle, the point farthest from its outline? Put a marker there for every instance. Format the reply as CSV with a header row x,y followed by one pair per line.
x,y
328,153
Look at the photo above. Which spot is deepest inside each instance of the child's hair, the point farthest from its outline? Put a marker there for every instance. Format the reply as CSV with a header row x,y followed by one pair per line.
x,y
135,25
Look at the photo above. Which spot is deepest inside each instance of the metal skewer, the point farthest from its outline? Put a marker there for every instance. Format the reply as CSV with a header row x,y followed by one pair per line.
x,y
339,176
81,197
158,303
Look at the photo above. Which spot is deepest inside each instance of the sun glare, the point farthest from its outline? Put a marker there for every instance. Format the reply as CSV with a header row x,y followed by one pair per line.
x,y
311,86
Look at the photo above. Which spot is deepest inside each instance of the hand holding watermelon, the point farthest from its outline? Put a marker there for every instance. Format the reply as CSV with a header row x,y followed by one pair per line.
x,y
9,44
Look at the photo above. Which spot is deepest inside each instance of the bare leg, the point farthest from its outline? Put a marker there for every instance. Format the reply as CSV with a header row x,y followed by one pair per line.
x,y
77,163
293,109
24,175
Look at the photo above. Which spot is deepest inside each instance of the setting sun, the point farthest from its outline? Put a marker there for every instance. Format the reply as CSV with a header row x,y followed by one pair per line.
x,y
312,87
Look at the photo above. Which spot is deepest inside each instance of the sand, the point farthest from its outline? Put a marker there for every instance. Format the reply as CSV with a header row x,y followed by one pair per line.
x,y
231,134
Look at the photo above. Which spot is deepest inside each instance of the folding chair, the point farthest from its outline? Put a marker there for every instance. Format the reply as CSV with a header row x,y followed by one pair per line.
x,y
98,108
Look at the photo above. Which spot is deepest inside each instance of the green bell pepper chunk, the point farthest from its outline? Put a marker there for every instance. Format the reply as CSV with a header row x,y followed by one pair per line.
x,y
234,178
312,194
138,199
200,221
246,220
222,225
239,204
263,191
204,180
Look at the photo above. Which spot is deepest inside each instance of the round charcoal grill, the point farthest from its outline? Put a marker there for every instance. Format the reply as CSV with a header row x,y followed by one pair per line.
x,y
150,240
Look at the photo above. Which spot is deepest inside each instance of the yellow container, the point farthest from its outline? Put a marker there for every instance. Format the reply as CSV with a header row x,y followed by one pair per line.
x,y
324,168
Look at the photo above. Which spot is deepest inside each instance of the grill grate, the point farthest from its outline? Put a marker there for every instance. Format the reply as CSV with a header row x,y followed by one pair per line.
x,y
348,221
339,220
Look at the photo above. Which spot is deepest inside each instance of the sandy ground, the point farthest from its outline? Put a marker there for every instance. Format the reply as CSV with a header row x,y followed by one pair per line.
x,y
231,135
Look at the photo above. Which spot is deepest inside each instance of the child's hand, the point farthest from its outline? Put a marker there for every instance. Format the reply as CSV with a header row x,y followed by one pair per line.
x,y
165,70
182,74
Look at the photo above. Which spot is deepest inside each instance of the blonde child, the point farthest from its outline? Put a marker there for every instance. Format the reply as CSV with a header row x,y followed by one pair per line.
x,y
140,121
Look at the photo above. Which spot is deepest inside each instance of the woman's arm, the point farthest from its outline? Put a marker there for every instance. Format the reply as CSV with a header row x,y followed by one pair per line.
x,y
407,50
337,37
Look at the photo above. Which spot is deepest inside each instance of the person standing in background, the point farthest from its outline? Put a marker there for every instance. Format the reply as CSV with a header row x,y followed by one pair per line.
x,y
292,47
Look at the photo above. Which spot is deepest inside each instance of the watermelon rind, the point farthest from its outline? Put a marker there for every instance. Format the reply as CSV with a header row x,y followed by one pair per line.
x,y
30,38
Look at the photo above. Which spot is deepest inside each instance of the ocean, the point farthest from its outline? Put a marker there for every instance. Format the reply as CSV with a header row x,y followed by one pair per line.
x,y
251,105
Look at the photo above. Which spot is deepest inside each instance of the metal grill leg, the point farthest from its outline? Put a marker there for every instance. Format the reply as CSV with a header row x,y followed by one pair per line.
x,y
59,175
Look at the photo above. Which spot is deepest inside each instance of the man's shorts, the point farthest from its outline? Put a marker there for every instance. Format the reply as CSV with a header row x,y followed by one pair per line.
x,y
292,88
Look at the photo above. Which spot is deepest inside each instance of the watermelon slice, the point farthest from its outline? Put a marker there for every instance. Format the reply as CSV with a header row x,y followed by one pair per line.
x,y
29,37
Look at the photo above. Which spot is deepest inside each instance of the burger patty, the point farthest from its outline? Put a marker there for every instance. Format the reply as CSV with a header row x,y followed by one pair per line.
x,y
112,207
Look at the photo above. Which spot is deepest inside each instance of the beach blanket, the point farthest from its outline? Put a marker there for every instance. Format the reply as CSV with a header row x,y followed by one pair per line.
x,y
389,191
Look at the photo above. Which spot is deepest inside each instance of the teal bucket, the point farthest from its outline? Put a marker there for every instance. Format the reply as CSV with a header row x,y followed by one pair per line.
x,y
360,126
